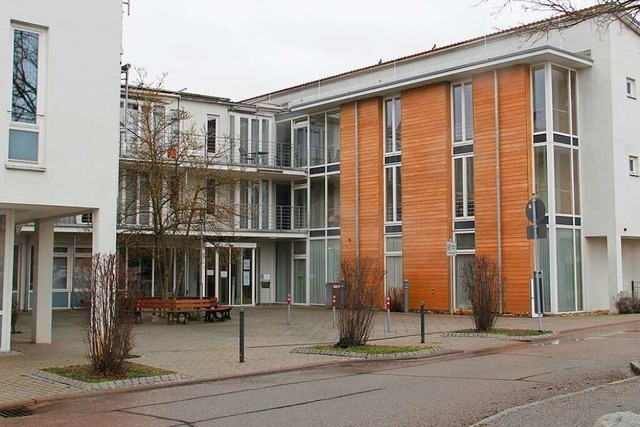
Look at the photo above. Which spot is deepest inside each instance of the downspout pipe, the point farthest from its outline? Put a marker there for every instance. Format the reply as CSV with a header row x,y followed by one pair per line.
x,y
498,190
357,185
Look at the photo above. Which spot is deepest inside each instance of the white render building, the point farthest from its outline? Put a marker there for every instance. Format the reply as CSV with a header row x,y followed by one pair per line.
x,y
59,85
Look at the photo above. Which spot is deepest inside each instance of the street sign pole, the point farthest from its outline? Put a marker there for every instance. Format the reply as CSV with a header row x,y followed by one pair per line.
x,y
535,213
452,249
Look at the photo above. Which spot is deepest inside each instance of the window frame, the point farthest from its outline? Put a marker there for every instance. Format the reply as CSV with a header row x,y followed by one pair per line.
x,y
463,129
465,188
396,217
392,254
394,134
39,126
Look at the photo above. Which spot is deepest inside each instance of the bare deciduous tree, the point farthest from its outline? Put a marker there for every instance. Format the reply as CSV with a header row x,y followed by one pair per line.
x,y
569,13
173,176
362,279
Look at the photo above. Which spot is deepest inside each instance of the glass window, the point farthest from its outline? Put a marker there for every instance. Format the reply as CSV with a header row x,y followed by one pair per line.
x,y
394,244
333,200
333,260
255,136
465,241
317,271
574,104
23,145
462,112
300,248
212,123
539,101
541,177
463,262
560,98
300,147
562,171
393,125
333,137
316,142
59,272
3,230
394,271
283,144
566,270
580,298
393,193
24,99
317,202
464,193
266,131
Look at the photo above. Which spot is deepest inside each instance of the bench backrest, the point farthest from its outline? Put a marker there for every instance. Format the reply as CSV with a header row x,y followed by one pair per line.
x,y
188,303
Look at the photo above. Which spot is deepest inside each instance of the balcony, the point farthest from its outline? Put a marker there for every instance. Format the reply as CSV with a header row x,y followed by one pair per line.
x,y
240,218
222,151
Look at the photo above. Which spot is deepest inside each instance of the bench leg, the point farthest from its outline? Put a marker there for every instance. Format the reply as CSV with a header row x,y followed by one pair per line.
x,y
138,318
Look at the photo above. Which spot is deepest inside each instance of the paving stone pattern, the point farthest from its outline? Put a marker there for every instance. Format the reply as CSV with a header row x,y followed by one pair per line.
x,y
210,350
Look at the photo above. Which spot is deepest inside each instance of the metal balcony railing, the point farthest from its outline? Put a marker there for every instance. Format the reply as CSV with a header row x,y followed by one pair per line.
x,y
230,151
241,217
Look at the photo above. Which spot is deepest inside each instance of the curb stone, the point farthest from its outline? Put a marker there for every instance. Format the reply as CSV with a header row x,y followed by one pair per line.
x,y
525,338
635,366
435,351
106,385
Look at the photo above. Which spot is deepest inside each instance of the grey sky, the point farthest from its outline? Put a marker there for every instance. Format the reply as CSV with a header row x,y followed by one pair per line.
x,y
244,48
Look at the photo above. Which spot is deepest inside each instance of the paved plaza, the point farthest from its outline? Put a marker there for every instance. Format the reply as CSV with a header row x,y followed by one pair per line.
x,y
210,350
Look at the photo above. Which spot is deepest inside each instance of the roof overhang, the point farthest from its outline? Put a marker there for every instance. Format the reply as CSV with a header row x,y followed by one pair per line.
x,y
530,56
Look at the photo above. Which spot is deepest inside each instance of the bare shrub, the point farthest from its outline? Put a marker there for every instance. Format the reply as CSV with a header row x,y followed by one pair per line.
x,y
363,280
396,299
480,281
108,327
626,303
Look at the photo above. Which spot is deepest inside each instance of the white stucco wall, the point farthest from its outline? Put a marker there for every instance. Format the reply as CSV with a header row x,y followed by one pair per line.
x,y
630,262
595,268
78,104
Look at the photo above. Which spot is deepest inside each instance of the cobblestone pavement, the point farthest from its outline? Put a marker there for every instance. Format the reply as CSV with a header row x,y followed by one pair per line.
x,y
204,350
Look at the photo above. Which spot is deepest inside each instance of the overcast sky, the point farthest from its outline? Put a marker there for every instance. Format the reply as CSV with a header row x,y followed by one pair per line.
x,y
243,48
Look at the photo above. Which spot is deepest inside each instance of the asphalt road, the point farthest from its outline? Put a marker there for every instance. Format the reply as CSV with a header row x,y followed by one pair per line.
x,y
446,391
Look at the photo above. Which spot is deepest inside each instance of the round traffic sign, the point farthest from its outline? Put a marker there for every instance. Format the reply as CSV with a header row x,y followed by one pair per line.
x,y
536,205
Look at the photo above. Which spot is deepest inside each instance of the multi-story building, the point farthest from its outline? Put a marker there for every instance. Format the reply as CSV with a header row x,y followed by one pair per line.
x,y
450,144
59,83
395,160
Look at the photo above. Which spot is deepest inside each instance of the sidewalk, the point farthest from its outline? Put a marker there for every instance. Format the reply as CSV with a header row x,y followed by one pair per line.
x,y
204,350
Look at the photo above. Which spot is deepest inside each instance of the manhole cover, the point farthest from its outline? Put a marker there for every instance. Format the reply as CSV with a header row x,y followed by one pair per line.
x,y
15,413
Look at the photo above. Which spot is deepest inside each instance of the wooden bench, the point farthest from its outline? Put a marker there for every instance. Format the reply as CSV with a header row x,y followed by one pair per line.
x,y
179,309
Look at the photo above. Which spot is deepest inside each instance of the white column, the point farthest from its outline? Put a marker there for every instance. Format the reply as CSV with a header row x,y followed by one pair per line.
x,y
104,230
43,283
614,262
5,331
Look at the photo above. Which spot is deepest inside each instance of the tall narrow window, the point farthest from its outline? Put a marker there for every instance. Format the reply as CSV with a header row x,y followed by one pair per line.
x,y
212,128
464,194
211,196
333,200
392,125
316,141
333,137
393,261
23,138
393,193
462,113
560,99
539,101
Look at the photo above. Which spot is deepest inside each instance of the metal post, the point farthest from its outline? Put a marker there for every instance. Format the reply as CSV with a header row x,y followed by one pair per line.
x,y
422,324
333,307
288,309
388,304
535,256
241,335
405,286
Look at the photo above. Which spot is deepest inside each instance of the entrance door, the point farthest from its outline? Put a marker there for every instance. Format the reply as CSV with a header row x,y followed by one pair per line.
x,y
235,275
283,270
299,281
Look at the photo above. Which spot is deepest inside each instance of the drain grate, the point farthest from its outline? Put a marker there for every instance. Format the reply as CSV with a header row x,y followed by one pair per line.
x,y
15,413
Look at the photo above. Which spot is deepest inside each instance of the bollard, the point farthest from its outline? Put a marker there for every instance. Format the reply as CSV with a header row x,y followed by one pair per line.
x,y
288,309
388,303
405,286
241,336
333,307
422,324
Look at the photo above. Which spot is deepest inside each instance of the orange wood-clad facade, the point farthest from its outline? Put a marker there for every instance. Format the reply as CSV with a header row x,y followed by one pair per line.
x,y
427,184
515,177
426,194
371,218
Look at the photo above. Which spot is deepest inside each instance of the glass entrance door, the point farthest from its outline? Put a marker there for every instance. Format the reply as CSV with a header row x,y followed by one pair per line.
x,y
235,276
